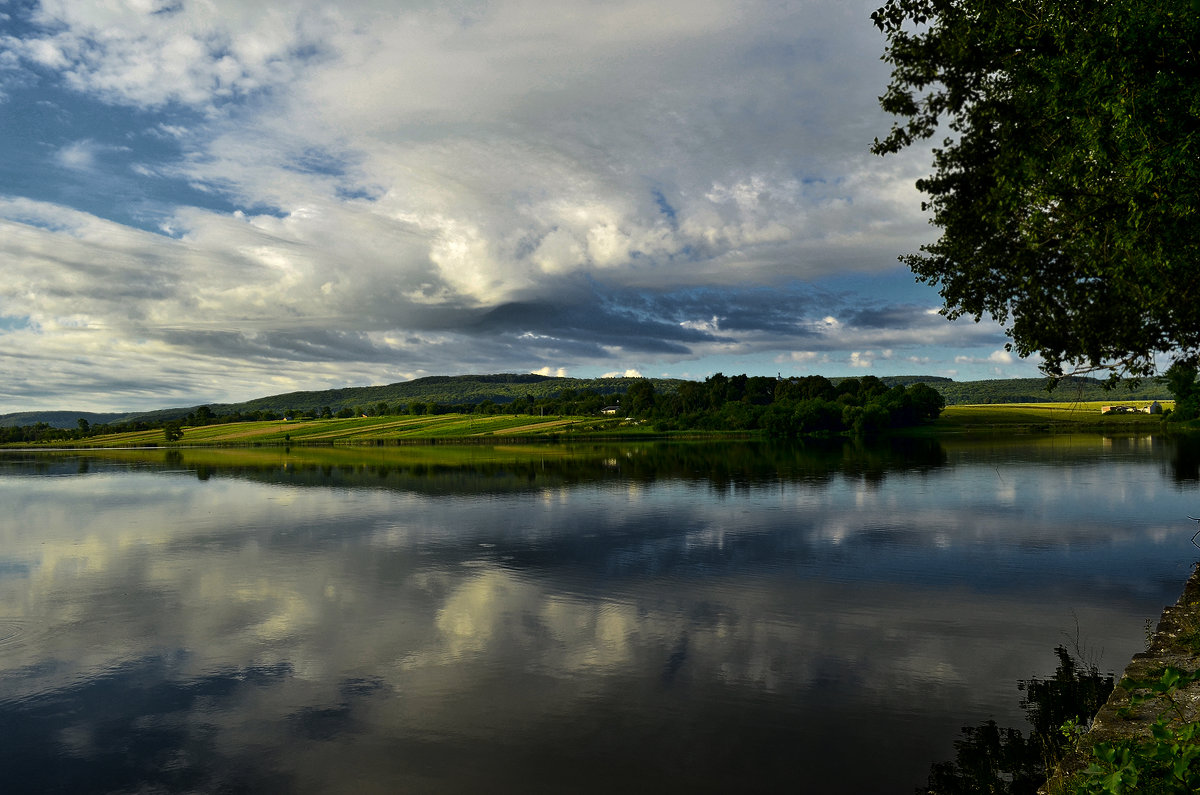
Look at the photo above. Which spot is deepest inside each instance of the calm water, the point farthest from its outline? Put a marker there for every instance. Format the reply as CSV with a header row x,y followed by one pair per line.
x,y
733,617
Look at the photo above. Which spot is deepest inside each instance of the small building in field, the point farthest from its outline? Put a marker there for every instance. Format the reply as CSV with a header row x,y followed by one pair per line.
x,y
1116,409
1154,408
610,410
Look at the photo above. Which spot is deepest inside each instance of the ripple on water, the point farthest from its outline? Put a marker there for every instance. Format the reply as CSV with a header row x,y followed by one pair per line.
x,y
13,633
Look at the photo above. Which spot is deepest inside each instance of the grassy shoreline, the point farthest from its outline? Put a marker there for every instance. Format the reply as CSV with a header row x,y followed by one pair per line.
x,y
983,419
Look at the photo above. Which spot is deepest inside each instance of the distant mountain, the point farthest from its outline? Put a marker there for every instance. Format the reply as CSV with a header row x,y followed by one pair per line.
x,y
507,387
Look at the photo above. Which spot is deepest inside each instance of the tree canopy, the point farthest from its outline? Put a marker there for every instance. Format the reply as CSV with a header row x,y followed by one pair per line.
x,y
1067,184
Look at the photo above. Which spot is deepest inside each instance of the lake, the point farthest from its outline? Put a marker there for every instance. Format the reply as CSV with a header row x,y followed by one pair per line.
x,y
562,618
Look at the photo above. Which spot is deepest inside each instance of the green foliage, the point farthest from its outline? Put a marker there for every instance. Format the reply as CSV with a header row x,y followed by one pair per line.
x,y
1166,762
640,397
1181,380
1035,390
788,408
743,403
172,432
1066,190
992,759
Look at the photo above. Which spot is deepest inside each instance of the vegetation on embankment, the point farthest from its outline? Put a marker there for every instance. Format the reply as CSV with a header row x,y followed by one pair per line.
x,y
363,430
810,406
534,394
720,405
1146,736
472,428
1043,418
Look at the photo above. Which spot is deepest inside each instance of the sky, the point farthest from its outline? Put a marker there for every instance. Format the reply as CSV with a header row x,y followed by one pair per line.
x,y
214,200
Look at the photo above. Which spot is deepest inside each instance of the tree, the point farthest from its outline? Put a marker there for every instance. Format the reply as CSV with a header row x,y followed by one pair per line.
x,y
1181,380
640,397
172,431
926,401
1067,190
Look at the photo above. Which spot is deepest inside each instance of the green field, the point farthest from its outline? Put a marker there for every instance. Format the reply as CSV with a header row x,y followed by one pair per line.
x,y
986,418
1034,417
368,430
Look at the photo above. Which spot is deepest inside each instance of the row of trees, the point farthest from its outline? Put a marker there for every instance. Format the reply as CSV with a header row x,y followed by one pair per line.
x,y
785,407
781,407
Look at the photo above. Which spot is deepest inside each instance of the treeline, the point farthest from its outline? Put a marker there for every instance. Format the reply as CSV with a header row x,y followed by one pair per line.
x,y
786,407
1037,390
461,392
780,407
44,432
569,402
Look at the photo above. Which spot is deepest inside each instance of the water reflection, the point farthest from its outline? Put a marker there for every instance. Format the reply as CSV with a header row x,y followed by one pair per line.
x,y
994,759
683,617
449,469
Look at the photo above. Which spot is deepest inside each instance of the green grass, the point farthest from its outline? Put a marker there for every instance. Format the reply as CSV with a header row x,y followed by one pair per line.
x,y
955,420
1083,416
365,430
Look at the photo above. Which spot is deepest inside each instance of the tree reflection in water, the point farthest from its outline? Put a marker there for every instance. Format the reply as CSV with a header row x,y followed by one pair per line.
x,y
992,759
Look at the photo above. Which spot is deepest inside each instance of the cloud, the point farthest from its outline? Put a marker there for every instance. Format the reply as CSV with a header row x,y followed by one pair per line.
x,y
995,357
862,359
364,191
78,155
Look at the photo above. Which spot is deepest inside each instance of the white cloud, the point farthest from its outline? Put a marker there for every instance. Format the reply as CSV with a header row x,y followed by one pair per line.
x,y
404,171
1000,357
78,155
630,373
802,357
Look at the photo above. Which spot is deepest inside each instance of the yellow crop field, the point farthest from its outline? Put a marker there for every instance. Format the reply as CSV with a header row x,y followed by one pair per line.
x,y
1048,416
362,430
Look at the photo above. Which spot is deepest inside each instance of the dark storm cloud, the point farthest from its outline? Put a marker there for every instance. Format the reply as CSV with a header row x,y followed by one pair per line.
x,y
891,316
598,322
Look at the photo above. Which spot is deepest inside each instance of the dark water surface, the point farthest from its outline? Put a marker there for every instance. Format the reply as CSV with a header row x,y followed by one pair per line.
x,y
604,618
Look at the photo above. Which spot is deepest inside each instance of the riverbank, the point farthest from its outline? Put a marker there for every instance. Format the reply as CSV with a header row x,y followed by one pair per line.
x,y
1032,418
1145,692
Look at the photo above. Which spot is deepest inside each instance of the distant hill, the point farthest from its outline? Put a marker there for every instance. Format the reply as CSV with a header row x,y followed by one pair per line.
x,y
439,389
61,419
449,390
507,387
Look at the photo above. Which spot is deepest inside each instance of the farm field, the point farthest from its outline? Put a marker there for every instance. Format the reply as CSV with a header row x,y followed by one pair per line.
x,y
364,430
1046,417
983,418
